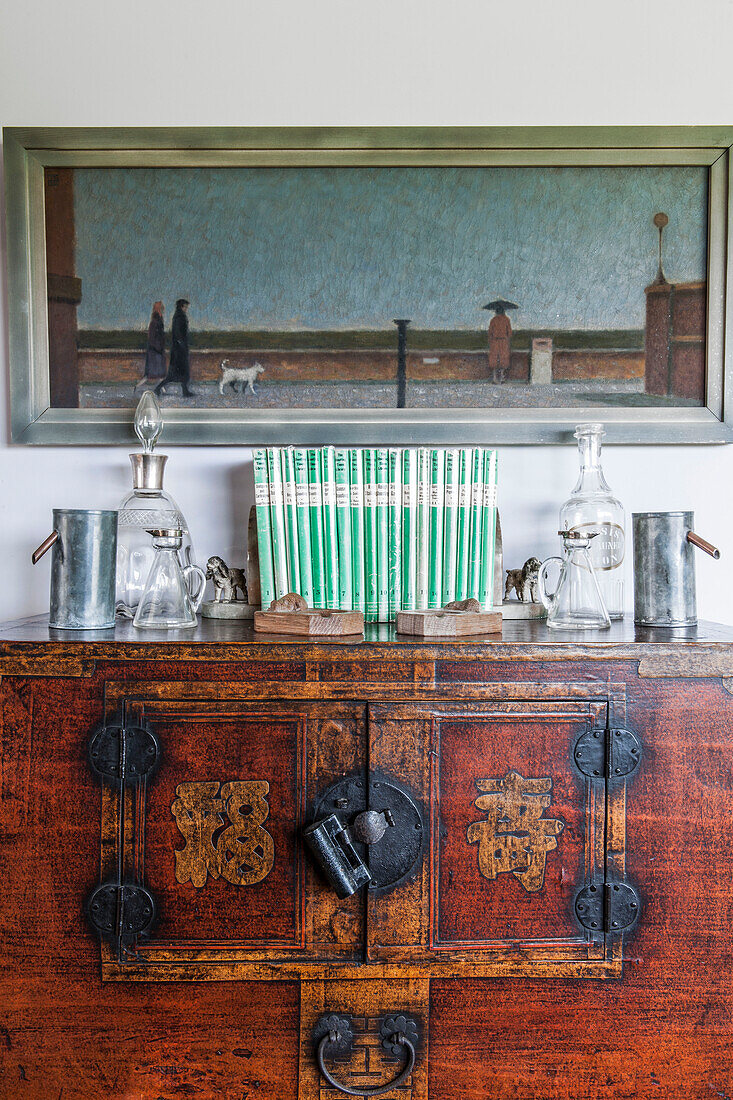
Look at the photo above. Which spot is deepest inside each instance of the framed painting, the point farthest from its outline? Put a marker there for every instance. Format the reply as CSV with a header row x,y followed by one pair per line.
x,y
370,285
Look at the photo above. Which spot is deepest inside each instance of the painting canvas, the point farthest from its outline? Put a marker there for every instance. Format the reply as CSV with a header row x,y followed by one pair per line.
x,y
377,287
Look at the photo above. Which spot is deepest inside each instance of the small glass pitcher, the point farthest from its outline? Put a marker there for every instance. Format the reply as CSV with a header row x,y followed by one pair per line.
x,y
169,599
576,603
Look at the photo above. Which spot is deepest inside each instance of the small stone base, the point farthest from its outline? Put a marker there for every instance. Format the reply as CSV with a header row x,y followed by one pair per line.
x,y
212,609
513,609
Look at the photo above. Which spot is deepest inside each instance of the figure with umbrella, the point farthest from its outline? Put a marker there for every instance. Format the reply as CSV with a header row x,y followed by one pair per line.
x,y
500,338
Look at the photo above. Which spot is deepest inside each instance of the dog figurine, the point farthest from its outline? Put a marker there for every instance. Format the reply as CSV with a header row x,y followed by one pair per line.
x,y
245,376
226,581
524,581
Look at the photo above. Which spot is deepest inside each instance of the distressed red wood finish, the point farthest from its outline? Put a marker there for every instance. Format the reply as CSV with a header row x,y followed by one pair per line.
x,y
480,944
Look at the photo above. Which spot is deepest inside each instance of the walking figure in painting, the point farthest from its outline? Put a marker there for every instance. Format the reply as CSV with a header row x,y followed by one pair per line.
x,y
500,339
179,368
155,354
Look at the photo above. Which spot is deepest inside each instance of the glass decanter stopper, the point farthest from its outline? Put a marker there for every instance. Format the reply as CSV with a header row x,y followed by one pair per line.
x,y
169,599
148,422
148,506
576,603
592,507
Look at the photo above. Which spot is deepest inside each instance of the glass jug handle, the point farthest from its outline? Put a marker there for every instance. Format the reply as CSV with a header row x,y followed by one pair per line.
x,y
196,595
547,598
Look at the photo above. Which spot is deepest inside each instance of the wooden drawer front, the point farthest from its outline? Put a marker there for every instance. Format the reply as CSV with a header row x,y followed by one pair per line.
x,y
516,831
214,835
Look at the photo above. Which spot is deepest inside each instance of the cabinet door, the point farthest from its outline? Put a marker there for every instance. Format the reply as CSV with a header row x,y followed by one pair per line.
x,y
516,831
214,835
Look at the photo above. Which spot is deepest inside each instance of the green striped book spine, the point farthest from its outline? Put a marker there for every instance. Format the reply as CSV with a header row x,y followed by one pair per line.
x,y
464,523
488,534
370,534
435,553
450,525
303,522
264,527
395,532
382,470
343,527
277,520
477,511
330,530
315,507
409,529
356,478
423,526
291,521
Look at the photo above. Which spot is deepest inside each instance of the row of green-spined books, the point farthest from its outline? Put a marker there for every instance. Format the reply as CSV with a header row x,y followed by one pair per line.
x,y
376,529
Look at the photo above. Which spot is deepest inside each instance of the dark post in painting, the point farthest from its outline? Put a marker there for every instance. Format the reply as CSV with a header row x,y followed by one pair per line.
x,y
401,362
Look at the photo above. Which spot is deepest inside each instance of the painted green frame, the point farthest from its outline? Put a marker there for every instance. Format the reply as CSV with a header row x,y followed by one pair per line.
x,y
28,151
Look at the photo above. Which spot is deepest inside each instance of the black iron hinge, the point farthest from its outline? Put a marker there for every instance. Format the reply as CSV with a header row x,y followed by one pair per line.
x,y
608,906
119,912
124,751
607,753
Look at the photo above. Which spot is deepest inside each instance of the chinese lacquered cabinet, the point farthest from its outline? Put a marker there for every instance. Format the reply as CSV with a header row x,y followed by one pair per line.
x,y
237,867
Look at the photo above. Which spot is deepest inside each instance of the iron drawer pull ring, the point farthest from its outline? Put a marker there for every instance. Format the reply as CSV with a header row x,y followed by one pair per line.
x,y
396,1032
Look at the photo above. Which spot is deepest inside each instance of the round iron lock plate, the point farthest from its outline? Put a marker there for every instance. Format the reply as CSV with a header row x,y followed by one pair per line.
x,y
395,856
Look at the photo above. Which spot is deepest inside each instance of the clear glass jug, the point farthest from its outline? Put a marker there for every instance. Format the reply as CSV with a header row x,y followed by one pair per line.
x,y
577,602
168,600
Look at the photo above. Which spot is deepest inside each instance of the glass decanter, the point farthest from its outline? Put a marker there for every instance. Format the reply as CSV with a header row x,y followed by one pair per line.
x,y
576,603
147,507
592,507
169,600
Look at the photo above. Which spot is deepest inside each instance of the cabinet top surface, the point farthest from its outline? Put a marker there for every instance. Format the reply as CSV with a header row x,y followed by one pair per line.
x,y
214,639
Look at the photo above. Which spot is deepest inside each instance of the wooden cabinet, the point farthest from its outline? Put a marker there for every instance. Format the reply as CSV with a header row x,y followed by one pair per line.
x,y
550,905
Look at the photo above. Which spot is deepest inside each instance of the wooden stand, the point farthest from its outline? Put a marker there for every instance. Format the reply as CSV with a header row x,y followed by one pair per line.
x,y
310,623
440,623
219,609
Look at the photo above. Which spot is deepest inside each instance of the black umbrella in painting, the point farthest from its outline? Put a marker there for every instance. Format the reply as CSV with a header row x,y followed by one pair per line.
x,y
500,304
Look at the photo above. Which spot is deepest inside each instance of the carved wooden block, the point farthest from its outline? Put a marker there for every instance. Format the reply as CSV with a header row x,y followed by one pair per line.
x,y
314,624
443,623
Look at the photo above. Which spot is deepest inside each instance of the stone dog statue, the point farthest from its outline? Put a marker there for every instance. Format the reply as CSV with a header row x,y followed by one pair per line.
x,y
226,581
524,581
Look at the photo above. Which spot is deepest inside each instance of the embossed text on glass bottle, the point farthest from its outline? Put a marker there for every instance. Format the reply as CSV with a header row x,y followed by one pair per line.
x,y
593,507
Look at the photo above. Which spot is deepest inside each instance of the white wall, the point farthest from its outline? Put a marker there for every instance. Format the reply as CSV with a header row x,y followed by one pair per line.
x,y
343,62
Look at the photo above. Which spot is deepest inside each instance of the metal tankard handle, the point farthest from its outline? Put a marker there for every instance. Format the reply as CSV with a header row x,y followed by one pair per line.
x,y
45,545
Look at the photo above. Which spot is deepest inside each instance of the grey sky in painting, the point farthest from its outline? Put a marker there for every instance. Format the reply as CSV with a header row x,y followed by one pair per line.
x,y
288,249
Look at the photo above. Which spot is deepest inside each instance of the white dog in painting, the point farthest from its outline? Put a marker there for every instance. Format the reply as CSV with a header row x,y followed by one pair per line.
x,y
246,376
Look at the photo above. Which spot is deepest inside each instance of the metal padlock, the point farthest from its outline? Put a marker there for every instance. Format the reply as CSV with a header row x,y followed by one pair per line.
x,y
337,857
366,833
